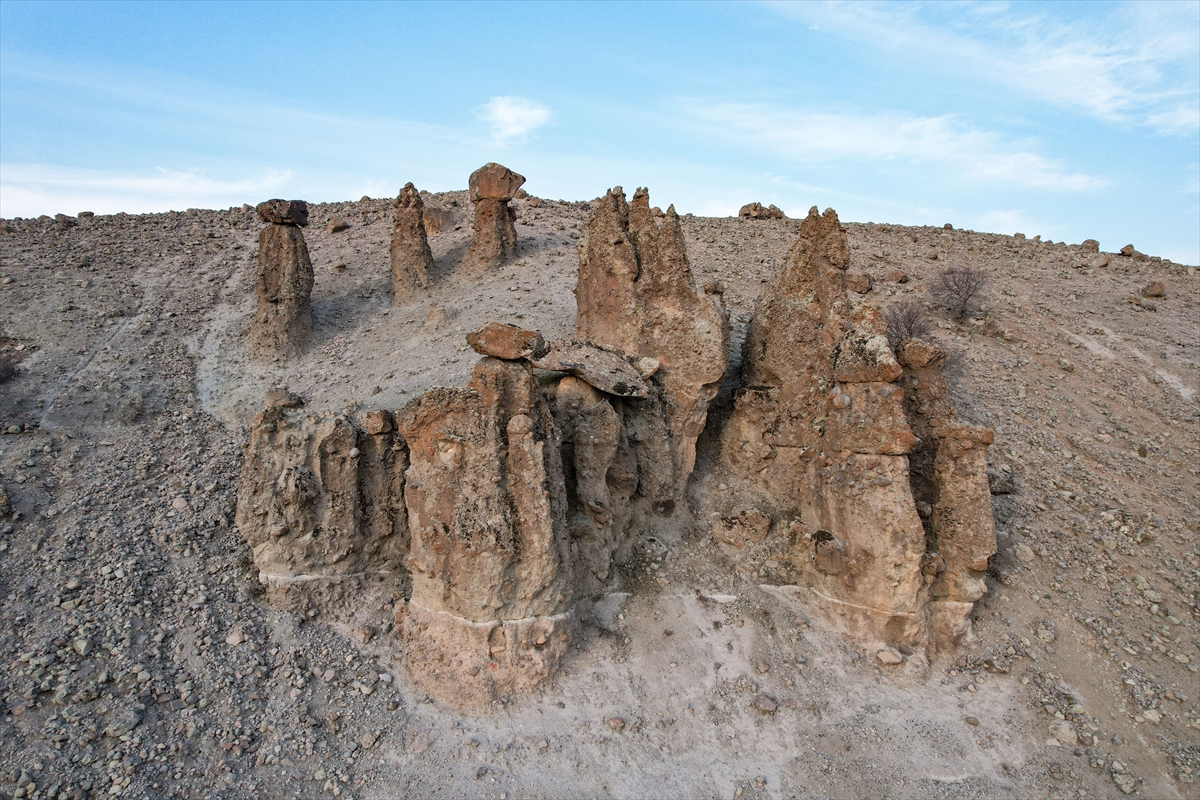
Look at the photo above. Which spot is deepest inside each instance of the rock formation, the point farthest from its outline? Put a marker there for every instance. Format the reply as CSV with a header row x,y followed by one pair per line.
x,y
320,504
494,232
285,281
492,603
637,295
820,438
412,259
758,211
949,480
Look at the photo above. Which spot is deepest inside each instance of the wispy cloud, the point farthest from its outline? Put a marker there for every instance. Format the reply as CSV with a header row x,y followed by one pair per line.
x,y
941,142
1134,62
30,189
512,119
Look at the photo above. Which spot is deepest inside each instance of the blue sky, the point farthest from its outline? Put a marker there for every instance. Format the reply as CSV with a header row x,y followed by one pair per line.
x,y
1069,120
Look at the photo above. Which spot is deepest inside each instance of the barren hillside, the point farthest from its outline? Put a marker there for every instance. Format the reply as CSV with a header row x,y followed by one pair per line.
x,y
142,660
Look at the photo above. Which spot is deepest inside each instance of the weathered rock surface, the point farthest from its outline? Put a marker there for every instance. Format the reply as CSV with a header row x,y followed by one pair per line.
x,y
637,294
759,211
604,370
285,281
949,475
507,342
822,434
487,515
320,503
494,231
411,257
283,212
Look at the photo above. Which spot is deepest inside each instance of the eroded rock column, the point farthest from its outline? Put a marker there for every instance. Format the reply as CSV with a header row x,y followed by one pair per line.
x,y
285,281
492,604
819,438
412,260
494,231
321,505
949,481
636,294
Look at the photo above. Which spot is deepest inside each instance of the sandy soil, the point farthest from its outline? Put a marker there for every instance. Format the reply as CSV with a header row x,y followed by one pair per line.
x,y
141,660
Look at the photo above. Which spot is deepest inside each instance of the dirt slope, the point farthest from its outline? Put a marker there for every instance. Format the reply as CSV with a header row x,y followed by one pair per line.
x,y
138,655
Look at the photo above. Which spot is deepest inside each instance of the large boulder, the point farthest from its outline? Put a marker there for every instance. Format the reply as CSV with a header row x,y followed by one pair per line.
x,y
412,260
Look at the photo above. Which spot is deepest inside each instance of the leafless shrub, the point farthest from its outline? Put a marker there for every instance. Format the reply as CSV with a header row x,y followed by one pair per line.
x,y
959,290
905,319
954,364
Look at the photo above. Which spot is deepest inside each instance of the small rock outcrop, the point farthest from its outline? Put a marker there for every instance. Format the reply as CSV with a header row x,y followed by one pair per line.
x,y
758,211
494,232
637,295
320,503
285,281
820,439
412,259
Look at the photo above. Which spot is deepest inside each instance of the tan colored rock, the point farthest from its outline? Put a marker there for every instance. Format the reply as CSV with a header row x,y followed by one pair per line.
x,y
487,516
820,434
283,212
494,232
411,257
758,211
507,342
949,474
320,503
1098,261
284,285
600,475
859,282
1154,289
606,371
1090,246
637,294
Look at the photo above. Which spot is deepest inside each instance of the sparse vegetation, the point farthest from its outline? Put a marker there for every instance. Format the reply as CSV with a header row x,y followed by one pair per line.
x,y
906,319
959,290
8,367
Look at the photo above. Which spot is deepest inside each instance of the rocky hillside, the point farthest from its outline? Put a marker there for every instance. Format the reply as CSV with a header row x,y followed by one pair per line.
x,y
145,658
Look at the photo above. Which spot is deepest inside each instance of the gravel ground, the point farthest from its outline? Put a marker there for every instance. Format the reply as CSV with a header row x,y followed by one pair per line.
x,y
142,662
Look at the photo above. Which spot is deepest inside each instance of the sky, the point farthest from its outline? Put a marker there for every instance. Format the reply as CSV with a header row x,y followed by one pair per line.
x,y
1066,120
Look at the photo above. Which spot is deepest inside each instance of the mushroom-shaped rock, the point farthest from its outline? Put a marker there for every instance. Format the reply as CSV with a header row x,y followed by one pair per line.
x,y
494,231
285,281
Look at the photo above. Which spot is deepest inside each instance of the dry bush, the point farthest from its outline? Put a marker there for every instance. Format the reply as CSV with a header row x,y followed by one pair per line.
x,y
954,364
905,319
959,290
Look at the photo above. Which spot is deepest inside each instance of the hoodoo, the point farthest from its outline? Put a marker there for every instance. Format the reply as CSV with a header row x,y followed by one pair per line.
x,y
494,232
411,257
285,281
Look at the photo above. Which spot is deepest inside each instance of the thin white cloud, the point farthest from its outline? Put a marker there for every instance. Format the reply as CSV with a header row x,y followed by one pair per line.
x,y
1136,62
31,189
941,142
511,118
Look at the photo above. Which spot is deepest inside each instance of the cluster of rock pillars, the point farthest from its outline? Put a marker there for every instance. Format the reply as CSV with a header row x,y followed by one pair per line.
x,y
478,520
